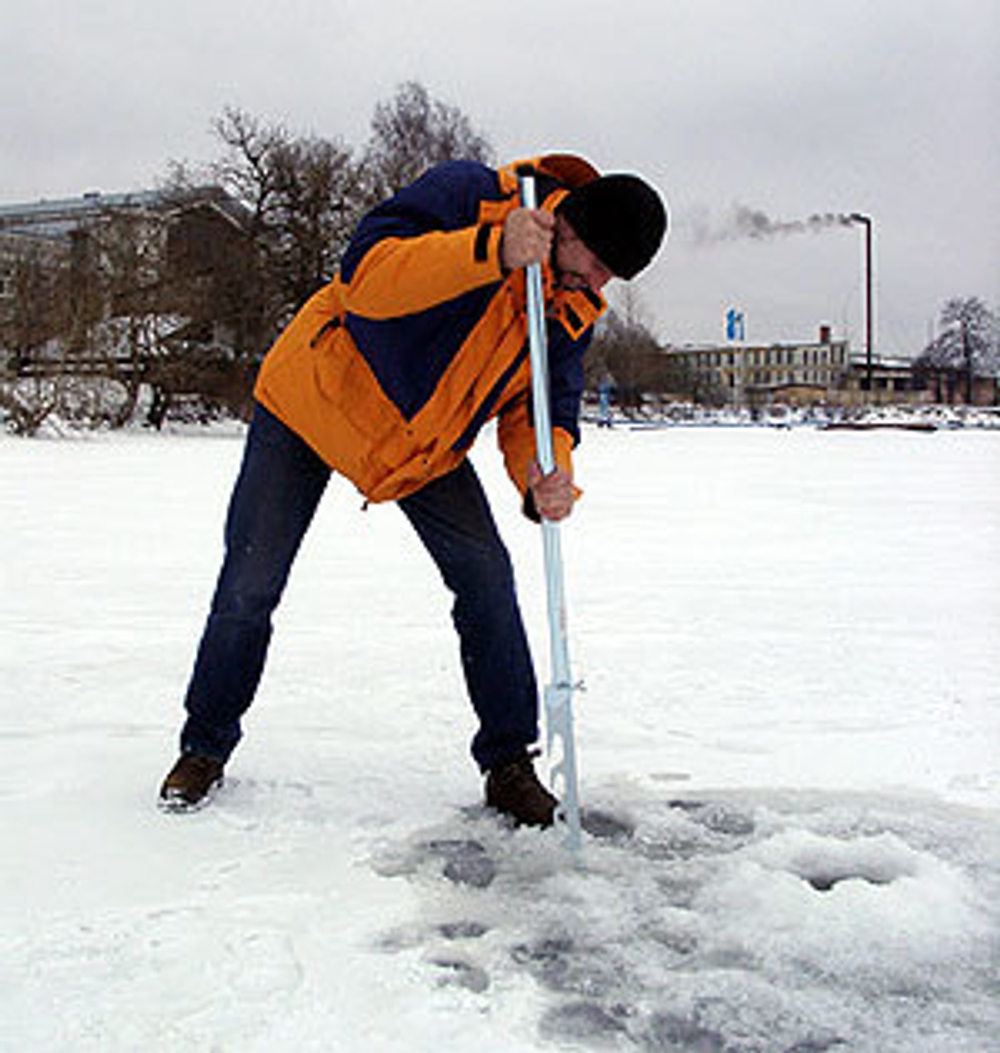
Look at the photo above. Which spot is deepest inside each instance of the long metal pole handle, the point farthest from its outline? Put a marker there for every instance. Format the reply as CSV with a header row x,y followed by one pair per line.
x,y
558,695
538,343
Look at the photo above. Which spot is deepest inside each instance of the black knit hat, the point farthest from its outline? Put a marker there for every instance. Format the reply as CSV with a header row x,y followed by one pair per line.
x,y
620,218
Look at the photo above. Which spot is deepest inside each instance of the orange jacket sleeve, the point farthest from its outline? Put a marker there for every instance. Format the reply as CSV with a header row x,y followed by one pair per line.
x,y
399,276
516,437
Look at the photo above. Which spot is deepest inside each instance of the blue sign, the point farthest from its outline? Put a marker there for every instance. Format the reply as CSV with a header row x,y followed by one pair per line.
x,y
734,325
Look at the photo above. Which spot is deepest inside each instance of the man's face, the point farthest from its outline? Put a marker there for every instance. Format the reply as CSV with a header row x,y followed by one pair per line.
x,y
576,267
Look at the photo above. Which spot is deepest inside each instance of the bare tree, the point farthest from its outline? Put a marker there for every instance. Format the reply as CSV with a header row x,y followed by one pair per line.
x,y
304,194
626,350
303,198
966,346
125,256
35,319
413,131
34,310
318,204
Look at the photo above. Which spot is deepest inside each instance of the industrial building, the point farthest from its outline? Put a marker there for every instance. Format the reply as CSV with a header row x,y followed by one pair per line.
x,y
824,372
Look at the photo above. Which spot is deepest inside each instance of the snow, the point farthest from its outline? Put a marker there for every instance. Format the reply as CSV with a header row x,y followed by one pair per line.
x,y
789,746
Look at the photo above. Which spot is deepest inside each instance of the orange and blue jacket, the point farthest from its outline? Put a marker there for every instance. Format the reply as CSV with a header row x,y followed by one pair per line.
x,y
390,370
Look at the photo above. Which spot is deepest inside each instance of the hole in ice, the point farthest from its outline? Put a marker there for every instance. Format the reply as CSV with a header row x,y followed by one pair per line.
x,y
825,862
825,881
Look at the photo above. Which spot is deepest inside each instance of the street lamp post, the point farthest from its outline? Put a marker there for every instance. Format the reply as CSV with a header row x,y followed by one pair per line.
x,y
857,217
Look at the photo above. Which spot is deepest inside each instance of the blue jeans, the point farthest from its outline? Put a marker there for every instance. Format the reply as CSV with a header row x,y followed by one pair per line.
x,y
279,486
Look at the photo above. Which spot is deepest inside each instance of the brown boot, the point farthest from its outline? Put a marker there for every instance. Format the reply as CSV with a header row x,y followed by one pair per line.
x,y
513,790
190,783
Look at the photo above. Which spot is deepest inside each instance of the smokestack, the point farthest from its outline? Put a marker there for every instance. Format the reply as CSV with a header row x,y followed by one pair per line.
x,y
824,334
866,222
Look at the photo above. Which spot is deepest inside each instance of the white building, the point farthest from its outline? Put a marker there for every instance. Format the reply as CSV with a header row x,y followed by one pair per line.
x,y
754,374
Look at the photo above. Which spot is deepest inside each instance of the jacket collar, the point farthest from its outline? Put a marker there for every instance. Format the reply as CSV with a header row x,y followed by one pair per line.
x,y
576,309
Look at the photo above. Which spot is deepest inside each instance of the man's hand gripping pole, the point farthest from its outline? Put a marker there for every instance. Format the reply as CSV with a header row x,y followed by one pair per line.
x,y
559,693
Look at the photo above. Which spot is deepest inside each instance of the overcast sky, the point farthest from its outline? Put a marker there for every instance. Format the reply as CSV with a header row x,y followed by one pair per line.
x,y
786,107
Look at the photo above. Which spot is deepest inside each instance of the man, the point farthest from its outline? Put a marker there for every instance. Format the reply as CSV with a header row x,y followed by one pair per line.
x,y
386,376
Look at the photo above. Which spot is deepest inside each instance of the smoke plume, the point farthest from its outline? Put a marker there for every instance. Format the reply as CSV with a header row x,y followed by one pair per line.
x,y
746,222
752,223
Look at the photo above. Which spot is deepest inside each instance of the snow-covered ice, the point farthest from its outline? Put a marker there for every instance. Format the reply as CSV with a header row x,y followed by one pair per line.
x,y
789,749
